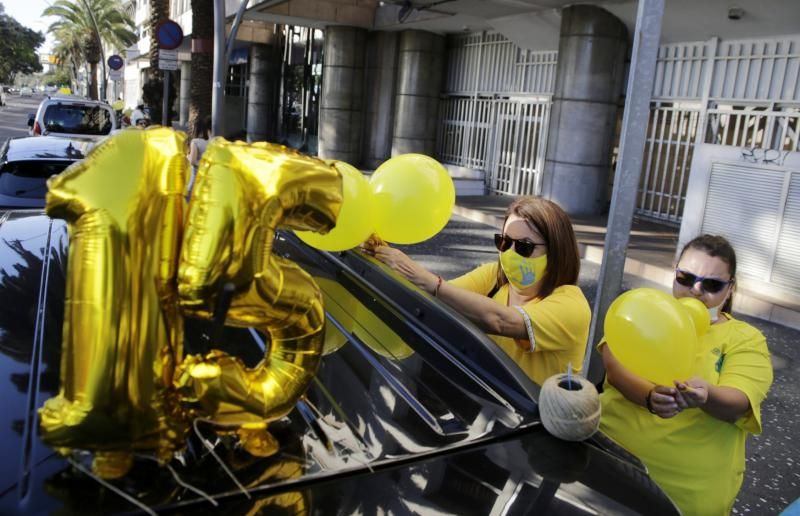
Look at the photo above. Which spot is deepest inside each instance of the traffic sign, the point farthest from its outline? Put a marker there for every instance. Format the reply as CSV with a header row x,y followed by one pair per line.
x,y
115,75
169,34
115,62
167,59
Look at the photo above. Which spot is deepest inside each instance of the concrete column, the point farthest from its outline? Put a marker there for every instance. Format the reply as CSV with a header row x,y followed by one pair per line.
x,y
421,59
341,116
591,63
262,99
183,96
381,82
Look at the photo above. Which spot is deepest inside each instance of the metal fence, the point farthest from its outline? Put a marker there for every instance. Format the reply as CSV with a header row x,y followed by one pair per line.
x,y
496,109
497,100
743,93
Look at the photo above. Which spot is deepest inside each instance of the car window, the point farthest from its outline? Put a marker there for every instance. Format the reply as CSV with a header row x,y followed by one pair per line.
x,y
28,178
77,119
34,168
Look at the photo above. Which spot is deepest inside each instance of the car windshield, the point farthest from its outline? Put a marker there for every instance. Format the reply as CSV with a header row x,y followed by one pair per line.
x,y
77,119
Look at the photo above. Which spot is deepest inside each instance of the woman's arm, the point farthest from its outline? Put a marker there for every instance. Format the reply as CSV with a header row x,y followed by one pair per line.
x,y
192,154
488,315
724,403
638,390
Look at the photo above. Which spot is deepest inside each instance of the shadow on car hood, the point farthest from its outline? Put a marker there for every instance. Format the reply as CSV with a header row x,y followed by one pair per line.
x,y
411,408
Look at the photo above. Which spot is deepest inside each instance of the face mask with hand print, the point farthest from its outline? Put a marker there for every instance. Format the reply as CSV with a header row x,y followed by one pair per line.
x,y
522,272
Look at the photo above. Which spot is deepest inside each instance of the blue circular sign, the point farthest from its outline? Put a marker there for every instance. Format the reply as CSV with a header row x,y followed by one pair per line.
x,y
169,35
115,62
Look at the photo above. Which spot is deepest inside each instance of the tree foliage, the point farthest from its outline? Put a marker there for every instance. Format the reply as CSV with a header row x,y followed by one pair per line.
x,y
17,48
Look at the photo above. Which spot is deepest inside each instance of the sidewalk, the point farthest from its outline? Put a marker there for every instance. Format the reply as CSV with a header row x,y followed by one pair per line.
x,y
651,252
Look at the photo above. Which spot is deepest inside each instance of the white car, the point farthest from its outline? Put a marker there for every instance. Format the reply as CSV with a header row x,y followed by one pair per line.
x,y
25,92
65,114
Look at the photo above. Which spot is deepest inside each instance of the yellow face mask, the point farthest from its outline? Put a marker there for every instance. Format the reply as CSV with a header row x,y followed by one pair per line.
x,y
522,272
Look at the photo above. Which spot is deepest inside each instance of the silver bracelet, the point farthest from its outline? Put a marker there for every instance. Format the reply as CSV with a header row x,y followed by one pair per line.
x,y
528,327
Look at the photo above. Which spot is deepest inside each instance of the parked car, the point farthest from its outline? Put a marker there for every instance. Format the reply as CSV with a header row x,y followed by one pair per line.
x,y
413,411
72,115
26,164
25,92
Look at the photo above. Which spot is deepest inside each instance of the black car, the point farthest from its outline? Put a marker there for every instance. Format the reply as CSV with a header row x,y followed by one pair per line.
x,y
26,164
413,411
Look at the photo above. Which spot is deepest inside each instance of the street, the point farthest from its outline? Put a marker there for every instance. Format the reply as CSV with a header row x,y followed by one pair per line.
x,y
14,115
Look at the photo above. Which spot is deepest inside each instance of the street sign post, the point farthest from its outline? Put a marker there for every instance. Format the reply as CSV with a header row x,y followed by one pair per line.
x,y
169,36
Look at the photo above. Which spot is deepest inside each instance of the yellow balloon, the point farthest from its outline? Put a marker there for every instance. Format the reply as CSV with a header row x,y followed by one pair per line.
x,y
355,223
413,198
698,312
652,335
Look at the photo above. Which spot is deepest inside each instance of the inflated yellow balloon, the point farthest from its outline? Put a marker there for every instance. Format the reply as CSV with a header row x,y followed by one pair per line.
x,y
124,209
413,198
652,335
243,193
355,223
698,312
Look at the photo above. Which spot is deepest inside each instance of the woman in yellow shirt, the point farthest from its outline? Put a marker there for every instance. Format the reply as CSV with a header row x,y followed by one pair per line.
x,y
691,435
528,300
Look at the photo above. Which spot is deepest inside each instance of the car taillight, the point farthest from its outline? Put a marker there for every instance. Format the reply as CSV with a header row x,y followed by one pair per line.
x,y
37,129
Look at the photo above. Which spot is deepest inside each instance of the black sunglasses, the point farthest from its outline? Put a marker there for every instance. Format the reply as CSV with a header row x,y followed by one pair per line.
x,y
523,247
710,285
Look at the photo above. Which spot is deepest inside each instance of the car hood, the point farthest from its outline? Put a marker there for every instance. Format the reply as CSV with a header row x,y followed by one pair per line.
x,y
408,395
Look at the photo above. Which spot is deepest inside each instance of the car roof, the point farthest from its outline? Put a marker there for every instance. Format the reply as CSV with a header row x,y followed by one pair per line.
x,y
75,99
46,148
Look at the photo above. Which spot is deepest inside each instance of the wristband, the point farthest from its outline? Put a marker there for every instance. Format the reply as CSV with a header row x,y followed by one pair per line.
x,y
438,286
647,402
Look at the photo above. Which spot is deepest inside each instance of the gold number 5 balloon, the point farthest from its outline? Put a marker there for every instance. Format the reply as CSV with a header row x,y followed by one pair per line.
x,y
242,195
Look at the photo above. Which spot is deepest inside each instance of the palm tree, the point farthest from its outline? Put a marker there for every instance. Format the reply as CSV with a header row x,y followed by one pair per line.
x,y
159,11
96,22
69,52
202,63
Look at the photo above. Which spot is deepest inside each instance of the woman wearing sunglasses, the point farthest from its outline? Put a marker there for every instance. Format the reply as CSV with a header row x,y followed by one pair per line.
x,y
528,300
691,435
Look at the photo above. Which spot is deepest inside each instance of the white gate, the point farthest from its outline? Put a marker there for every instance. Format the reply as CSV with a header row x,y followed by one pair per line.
x,y
741,93
496,110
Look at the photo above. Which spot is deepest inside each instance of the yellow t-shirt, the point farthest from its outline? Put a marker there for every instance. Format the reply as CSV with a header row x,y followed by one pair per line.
x,y
698,459
560,325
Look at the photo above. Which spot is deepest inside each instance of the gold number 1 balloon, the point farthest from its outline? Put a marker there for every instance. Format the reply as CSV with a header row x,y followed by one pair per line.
x,y
122,331
242,195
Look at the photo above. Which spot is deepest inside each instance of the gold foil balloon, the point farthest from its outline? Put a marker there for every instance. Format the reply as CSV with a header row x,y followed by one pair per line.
x,y
413,196
355,223
122,330
242,195
652,335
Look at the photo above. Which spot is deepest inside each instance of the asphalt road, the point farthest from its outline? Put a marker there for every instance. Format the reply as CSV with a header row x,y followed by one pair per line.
x,y
14,115
772,478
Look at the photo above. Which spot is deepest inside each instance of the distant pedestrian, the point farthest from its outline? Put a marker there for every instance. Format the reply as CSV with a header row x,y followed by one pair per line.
x,y
691,435
197,146
528,300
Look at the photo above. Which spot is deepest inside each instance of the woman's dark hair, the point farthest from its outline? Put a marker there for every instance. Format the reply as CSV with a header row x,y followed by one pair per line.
x,y
563,260
717,247
203,129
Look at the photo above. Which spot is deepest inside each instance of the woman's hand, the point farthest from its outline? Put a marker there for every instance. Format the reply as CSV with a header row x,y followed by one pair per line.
x,y
399,262
663,402
692,393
